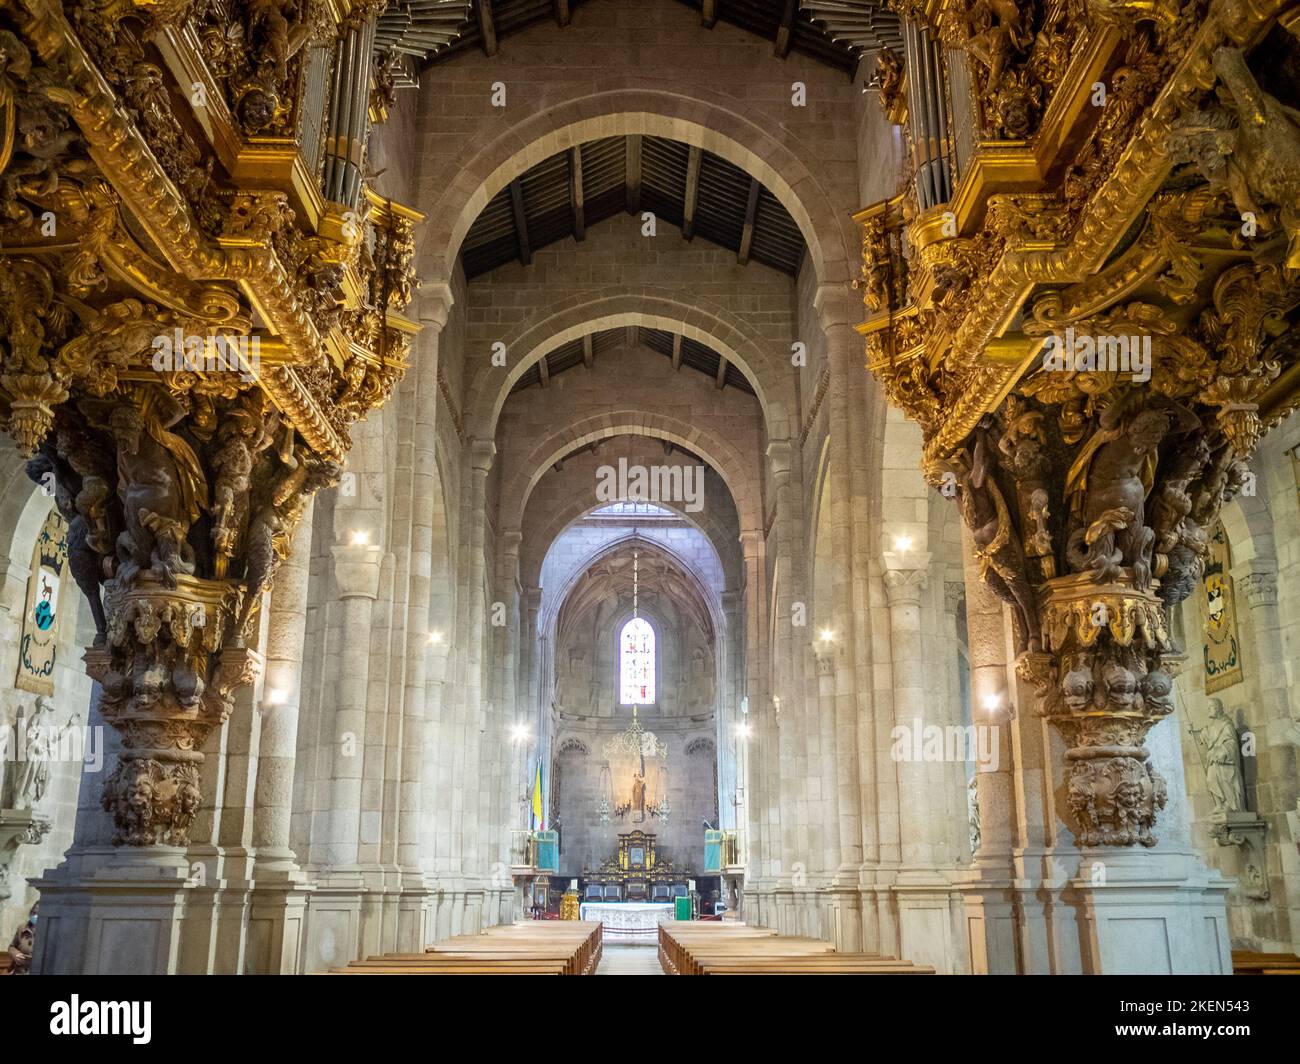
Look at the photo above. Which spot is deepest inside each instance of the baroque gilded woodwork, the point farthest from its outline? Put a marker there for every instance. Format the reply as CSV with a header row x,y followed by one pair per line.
x,y
1095,333
187,331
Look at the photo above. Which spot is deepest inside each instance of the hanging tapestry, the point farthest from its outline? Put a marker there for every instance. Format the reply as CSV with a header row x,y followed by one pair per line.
x,y
1219,617
41,617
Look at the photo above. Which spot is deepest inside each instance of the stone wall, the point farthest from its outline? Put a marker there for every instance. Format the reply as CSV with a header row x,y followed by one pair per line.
x,y
584,841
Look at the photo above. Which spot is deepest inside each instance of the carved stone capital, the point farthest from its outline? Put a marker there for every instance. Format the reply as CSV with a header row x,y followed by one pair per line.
x,y
779,456
903,587
481,454
1258,588
751,543
356,569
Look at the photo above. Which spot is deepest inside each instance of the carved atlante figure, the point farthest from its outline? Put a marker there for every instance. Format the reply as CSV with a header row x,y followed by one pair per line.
x,y
162,488
1107,488
1178,538
997,546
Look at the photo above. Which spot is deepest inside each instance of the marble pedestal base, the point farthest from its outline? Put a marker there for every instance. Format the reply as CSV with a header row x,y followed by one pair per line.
x,y
277,924
1145,913
927,922
122,918
990,920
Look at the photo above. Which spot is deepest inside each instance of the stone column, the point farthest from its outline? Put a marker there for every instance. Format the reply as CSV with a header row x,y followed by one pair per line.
x,y
279,897
334,927
922,887
852,686
791,782
1100,660
761,824
988,890
480,846
729,709
824,719
176,619
1279,799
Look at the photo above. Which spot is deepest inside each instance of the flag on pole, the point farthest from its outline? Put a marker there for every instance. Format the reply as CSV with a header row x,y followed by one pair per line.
x,y
539,819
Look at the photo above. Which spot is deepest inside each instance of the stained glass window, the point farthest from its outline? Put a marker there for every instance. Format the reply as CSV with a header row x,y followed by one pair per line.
x,y
636,663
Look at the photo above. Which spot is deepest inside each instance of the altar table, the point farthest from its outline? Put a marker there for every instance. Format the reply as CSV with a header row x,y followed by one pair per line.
x,y
628,921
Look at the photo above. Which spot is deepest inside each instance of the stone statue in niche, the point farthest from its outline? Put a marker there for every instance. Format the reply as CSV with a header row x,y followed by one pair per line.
x,y
40,737
1221,751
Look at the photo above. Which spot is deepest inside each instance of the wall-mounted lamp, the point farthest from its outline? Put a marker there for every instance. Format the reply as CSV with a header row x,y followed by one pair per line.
x,y
519,732
826,635
276,696
435,638
992,702
902,544
359,537
743,731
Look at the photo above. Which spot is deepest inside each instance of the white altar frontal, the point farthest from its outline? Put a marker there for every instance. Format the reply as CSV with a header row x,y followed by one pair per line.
x,y
627,921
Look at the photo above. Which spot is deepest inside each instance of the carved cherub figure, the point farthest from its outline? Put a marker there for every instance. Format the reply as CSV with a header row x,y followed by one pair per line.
x,y
889,80
1121,687
996,28
1077,688
1157,688
276,30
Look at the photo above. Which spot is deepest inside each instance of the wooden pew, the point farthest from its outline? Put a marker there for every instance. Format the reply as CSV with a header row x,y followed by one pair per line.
x,y
691,948
1248,962
528,948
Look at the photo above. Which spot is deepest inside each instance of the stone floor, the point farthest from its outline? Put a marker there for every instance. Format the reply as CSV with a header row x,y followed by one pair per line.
x,y
629,960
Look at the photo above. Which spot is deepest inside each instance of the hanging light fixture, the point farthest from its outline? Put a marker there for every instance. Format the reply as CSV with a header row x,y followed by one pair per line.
x,y
662,806
605,794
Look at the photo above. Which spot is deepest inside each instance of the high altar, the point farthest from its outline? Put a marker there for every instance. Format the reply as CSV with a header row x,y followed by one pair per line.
x,y
635,872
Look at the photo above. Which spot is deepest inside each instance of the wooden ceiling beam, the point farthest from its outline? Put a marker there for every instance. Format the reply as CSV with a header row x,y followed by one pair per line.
x,y
677,350
588,350
487,27
633,336
709,14
632,182
521,222
721,378
576,196
692,198
544,370
785,31
751,211
562,12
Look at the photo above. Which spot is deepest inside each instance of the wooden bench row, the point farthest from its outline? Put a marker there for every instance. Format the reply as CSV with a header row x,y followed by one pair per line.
x,y
695,948
1246,962
527,948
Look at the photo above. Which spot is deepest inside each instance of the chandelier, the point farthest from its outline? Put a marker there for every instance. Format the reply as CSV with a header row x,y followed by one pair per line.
x,y
605,795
